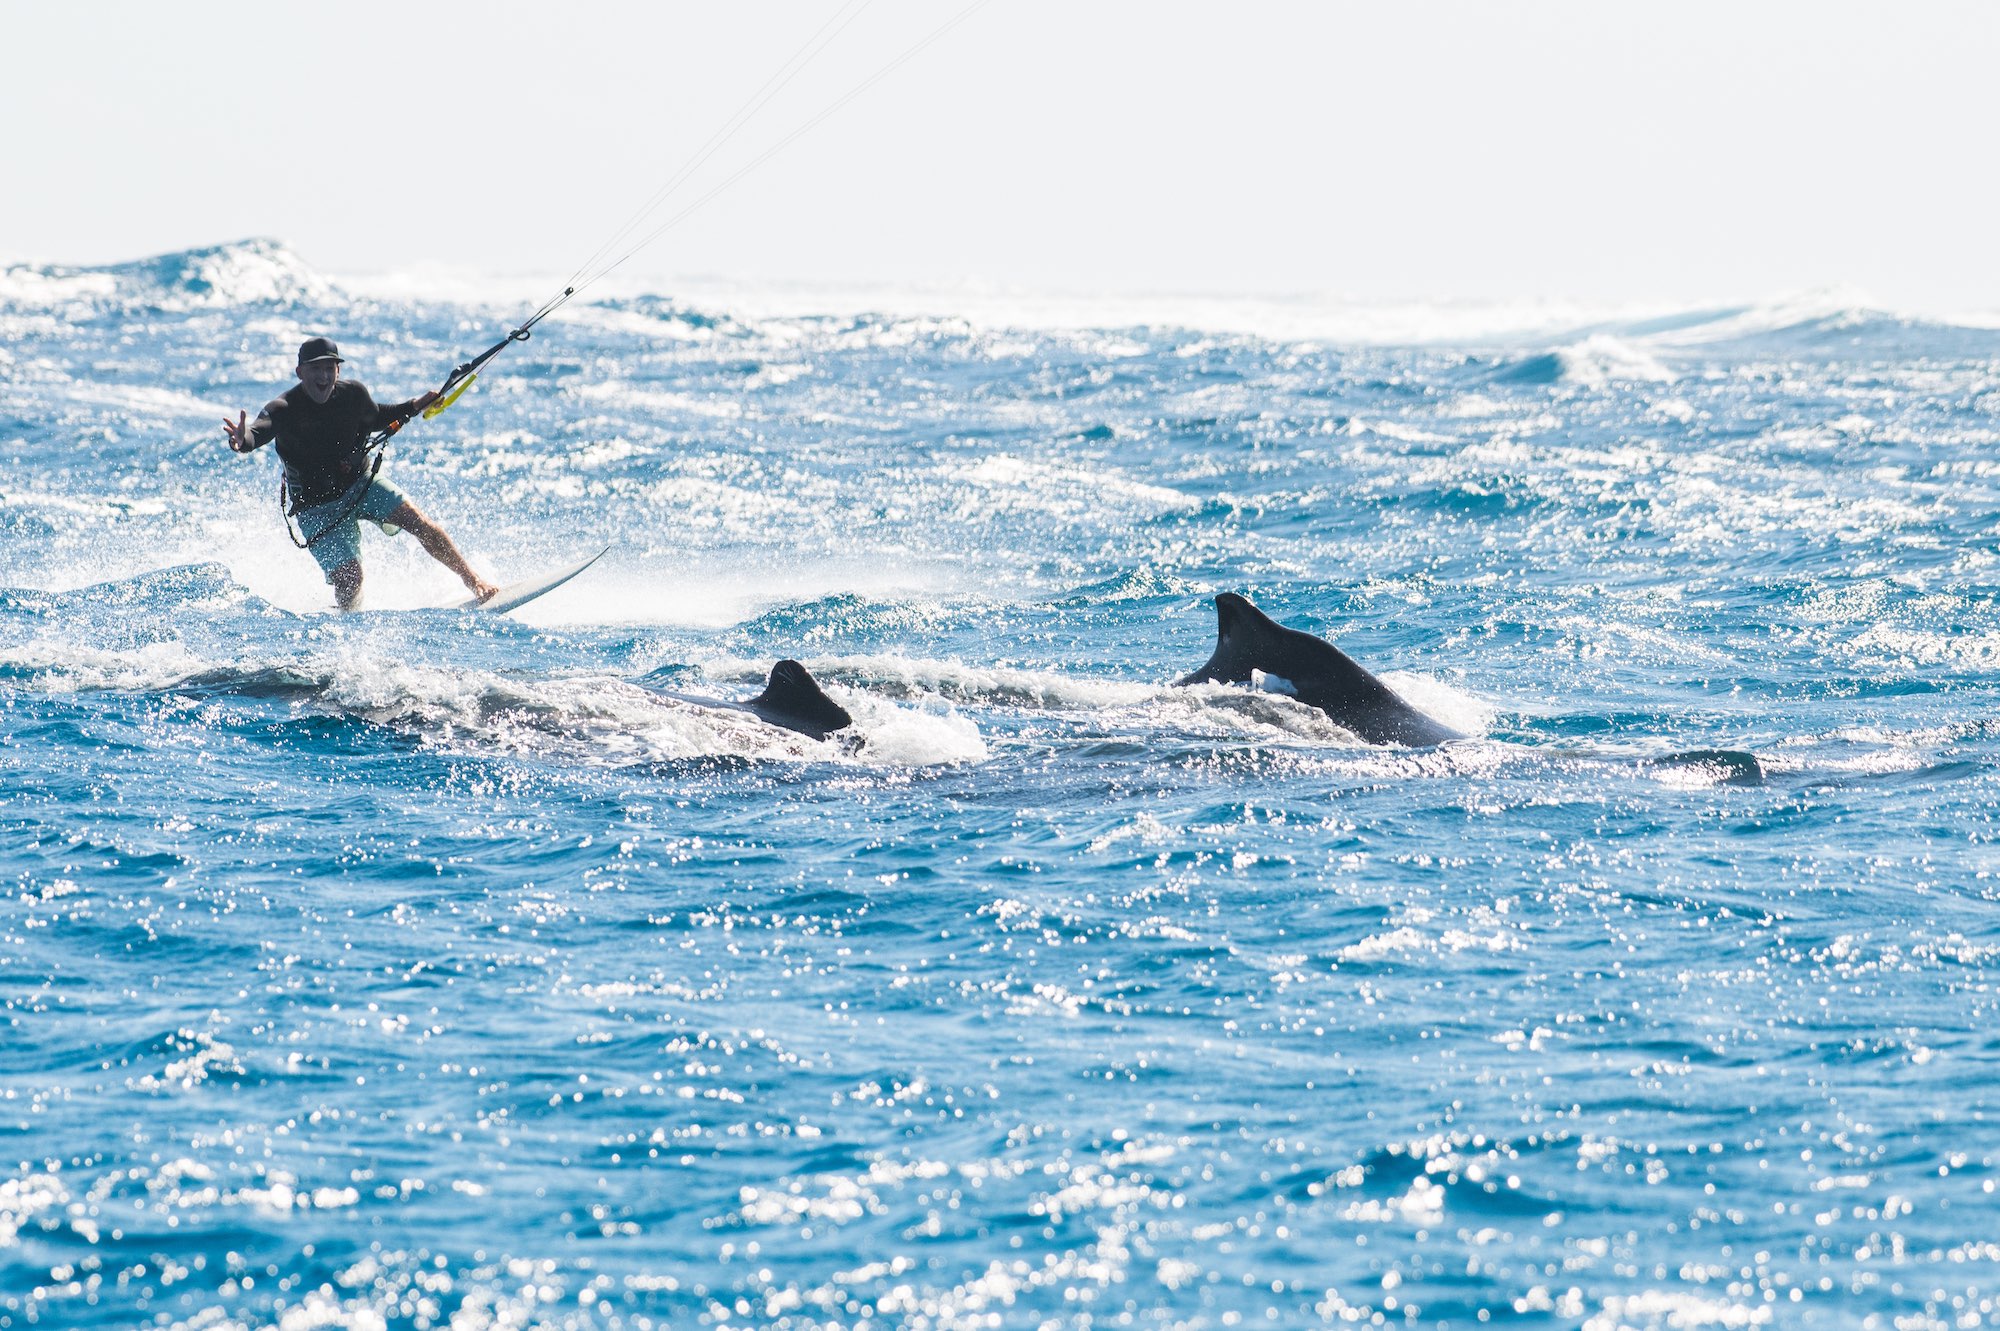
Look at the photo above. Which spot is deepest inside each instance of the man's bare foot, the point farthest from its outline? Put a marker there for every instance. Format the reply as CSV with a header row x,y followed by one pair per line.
x,y
482,589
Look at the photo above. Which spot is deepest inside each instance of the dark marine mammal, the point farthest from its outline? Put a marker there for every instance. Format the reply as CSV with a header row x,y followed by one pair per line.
x,y
1319,674
792,700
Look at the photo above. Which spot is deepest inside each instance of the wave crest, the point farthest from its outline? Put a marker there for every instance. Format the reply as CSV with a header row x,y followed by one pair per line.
x,y
245,272
1597,360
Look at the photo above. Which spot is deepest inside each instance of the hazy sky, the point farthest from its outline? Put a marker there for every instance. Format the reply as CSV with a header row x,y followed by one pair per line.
x,y
1598,152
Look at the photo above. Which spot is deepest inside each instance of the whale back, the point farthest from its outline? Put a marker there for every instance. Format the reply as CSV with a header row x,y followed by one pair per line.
x,y
1321,675
792,698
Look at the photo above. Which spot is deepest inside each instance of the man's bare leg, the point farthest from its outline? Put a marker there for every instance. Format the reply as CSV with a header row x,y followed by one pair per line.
x,y
439,547
347,586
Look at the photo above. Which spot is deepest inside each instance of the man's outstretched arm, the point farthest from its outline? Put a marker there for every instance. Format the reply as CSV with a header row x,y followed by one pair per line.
x,y
245,435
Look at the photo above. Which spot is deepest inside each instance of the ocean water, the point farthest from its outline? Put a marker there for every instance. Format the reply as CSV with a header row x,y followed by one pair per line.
x,y
426,969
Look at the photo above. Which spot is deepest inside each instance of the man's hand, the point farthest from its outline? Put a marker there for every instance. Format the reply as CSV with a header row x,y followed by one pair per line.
x,y
424,401
237,432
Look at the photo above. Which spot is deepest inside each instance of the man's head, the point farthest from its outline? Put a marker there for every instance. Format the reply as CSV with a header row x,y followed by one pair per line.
x,y
319,367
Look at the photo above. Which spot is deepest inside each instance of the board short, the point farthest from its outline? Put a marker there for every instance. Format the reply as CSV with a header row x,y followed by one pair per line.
x,y
342,543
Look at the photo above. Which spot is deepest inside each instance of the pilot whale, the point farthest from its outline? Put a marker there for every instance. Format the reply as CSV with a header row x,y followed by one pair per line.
x,y
792,700
1319,674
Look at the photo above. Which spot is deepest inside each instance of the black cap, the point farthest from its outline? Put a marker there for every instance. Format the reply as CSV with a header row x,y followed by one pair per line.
x,y
318,348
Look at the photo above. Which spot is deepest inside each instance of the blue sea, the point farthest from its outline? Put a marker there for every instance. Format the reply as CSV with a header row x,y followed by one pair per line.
x,y
425,968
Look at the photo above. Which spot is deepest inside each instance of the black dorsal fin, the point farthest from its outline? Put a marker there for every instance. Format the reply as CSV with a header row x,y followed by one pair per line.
x,y
1246,639
792,698
1320,675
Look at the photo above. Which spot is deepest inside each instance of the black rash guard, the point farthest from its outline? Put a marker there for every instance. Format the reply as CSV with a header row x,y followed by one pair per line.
x,y
323,444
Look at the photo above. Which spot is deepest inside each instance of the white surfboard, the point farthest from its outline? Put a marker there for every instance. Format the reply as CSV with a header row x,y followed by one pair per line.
x,y
517,594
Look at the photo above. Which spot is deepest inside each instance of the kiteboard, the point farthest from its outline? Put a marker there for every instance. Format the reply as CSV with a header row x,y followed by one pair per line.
x,y
517,594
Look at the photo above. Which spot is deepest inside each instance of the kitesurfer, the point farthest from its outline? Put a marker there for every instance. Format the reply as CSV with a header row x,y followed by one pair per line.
x,y
322,427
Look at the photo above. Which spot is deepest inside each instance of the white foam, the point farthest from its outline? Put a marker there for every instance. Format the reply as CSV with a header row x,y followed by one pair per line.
x,y
929,736
95,506
45,288
1069,489
66,667
202,1054
673,589
240,273
1443,702
256,271
1602,359
982,306
592,720
956,680
1927,648
1836,306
